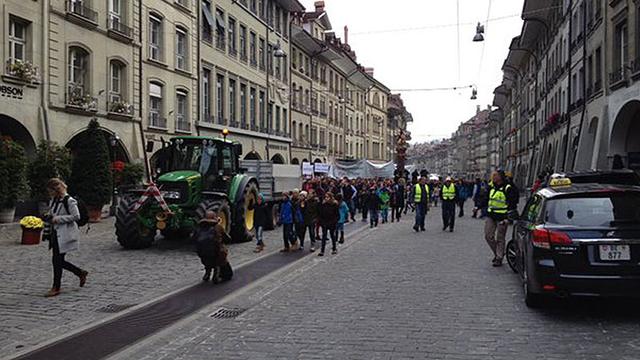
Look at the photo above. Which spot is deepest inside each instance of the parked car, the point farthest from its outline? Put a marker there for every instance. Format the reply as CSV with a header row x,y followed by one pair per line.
x,y
618,177
578,239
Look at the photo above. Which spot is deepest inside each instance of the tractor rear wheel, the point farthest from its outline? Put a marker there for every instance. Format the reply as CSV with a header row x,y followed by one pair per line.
x,y
244,221
130,232
220,207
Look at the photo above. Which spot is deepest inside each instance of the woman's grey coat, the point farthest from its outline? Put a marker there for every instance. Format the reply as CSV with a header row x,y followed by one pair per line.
x,y
66,228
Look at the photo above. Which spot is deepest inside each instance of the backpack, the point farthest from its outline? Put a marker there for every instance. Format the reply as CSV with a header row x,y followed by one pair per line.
x,y
82,209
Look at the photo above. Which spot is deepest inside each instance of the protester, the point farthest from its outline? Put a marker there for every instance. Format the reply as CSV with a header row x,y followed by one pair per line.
x,y
260,218
397,203
373,204
499,203
449,196
463,194
298,219
421,201
286,220
349,193
383,194
310,208
343,209
329,216
62,233
363,200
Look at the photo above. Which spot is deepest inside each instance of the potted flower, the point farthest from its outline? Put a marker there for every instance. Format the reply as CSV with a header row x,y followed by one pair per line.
x,y
23,70
13,180
31,230
91,177
120,108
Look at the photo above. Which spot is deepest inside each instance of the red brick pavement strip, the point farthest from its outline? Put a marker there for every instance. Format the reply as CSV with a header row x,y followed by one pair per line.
x,y
397,294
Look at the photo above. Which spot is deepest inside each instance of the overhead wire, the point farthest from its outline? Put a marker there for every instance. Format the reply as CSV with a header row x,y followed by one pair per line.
x,y
440,26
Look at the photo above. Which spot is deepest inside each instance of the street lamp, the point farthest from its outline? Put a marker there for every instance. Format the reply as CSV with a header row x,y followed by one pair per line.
x,y
225,132
113,141
474,94
278,52
479,33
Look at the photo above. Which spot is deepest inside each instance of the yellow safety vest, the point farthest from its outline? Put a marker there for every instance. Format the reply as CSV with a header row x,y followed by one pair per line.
x,y
448,192
498,200
417,196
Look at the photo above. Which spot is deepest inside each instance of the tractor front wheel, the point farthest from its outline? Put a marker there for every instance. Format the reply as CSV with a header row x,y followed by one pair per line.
x,y
220,207
244,221
130,232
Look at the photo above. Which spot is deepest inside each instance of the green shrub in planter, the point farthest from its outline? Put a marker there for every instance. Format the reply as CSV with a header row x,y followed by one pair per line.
x,y
91,177
52,160
131,175
13,173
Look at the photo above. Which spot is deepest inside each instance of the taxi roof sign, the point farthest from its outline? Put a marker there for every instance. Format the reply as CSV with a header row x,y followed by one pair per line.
x,y
558,182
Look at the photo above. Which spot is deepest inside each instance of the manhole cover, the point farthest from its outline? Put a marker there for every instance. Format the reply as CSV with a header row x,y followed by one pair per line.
x,y
224,313
114,308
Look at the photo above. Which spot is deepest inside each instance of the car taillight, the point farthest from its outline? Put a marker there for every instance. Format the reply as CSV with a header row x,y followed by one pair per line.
x,y
544,238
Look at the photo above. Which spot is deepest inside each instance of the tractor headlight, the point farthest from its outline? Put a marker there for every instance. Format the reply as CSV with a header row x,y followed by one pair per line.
x,y
171,195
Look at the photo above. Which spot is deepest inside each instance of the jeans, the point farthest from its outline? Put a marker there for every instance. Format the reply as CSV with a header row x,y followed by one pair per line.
x,y
373,217
461,205
59,264
352,208
287,235
421,212
303,233
326,232
364,213
448,214
384,214
259,230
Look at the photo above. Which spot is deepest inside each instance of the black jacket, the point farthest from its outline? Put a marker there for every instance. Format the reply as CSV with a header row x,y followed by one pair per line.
x,y
261,214
329,213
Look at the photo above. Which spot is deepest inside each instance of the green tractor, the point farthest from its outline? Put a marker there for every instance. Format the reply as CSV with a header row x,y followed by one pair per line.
x,y
195,174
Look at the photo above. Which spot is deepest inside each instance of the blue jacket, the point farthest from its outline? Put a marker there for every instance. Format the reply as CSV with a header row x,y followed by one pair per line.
x,y
344,212
286,212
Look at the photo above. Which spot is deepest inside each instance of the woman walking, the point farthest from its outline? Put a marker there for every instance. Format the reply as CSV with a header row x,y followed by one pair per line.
x,y
62,233
329,216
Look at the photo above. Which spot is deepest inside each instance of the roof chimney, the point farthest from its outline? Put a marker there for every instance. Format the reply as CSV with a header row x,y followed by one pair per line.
x,y
346,34
477,109
319,6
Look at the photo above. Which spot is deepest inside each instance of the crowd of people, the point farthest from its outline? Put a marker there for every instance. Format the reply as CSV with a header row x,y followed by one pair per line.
x,y
321,208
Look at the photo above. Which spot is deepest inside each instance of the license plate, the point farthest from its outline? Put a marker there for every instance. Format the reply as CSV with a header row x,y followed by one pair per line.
x,y
615,252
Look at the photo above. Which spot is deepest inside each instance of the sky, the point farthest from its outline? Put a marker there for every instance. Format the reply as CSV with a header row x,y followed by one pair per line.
x,y
413,44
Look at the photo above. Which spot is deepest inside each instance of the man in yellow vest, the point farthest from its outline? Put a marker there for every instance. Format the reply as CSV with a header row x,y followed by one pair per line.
x,y
500,202
449,196
420,194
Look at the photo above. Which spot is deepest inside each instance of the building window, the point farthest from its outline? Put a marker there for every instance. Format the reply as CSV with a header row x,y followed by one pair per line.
x,y
116,83
155,106
206,95
278,66
285,120
252,108
220,98
181,49
115,13
278,23
231,38
261,12
243,104
261,54
220,31
78,73
155,38
208,22
598,70
278,119
253,6
621,47
17,40
253,49
232,103
243,42
182,112
270,59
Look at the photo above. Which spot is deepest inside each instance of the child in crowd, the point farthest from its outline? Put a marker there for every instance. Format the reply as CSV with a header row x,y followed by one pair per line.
x,y
343,209
384,196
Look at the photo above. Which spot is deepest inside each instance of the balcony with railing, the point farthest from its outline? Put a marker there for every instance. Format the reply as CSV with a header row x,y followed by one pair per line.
x,y
234,123
182,124
254,127
119,108
79,11
635,68
617,78
157,121
78,100
119,30
220,120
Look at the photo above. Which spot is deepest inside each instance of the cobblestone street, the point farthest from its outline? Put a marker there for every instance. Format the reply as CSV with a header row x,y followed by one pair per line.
x,y
392,293
117,277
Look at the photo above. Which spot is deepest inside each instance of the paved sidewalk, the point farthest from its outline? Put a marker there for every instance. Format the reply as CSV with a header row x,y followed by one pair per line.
x,y
397,294
116,276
